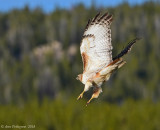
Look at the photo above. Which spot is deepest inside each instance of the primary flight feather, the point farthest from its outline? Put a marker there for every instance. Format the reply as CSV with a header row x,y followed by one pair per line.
x,y
96,52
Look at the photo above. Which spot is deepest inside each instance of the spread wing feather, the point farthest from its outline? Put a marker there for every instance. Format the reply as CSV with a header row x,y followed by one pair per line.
x,y
96,47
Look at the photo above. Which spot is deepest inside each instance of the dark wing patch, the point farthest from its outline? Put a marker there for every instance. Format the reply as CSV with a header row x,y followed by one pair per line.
x,y
86,36
85,61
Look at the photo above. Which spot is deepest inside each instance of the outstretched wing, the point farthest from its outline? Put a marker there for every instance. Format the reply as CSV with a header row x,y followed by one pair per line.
x,y
96,47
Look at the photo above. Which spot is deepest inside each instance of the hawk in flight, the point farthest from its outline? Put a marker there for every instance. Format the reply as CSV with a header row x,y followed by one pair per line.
x,y
96,52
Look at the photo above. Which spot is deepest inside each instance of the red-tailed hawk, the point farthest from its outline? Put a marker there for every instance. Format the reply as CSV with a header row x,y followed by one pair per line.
x,y
96,51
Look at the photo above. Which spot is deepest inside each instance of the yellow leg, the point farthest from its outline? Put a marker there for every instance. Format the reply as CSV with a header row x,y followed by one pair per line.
x,y
96,92
89,100
81,95
86,88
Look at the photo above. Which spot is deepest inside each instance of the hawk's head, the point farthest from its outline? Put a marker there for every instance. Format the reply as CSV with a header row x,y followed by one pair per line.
x,y
79,77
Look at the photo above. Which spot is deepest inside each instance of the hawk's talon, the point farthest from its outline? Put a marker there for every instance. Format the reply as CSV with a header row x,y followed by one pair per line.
x,y
80,96
89,101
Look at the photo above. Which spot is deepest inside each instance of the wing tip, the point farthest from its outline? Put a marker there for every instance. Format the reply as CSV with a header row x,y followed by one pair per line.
x,y
105,19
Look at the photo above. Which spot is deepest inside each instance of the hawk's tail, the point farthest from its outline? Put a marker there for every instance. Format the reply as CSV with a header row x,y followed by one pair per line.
x,y
126,49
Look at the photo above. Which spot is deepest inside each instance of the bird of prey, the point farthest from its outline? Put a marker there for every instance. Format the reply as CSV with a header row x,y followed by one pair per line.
x,y
96,52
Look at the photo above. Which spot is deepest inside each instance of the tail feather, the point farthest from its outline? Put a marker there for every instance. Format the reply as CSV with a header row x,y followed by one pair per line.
x,y
126,49
113,66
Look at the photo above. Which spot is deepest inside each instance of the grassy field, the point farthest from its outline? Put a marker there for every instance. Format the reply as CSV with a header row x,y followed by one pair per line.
x,y
73,115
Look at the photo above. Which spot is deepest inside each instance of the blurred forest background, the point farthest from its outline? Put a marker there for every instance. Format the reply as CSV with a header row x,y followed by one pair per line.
x,y
40,59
